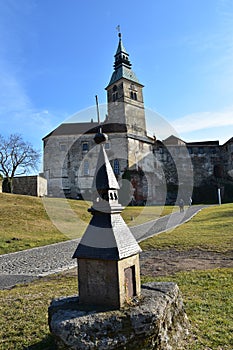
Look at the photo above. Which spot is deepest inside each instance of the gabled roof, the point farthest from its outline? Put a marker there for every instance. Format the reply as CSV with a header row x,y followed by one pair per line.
x,y
228,141
86,128
173,140
73,129
202,143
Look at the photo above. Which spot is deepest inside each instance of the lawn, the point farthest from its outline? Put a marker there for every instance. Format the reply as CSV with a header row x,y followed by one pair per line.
x,y
207,294
211,230
208,303
24,224
27,222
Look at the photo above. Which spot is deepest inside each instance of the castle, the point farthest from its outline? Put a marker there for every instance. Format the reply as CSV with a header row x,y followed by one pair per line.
x,y
148,170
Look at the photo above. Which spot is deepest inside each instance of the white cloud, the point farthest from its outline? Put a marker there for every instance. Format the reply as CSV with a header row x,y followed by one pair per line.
x,y
12,94
204,120
17,112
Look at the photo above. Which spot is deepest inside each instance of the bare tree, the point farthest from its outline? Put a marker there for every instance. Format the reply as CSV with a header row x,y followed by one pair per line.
x,y
17,157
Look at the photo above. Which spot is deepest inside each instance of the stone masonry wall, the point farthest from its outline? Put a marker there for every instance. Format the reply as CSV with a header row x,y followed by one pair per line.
x,y
30,185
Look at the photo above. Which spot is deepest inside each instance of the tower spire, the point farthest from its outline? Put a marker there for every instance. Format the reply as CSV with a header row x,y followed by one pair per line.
x,y
122,64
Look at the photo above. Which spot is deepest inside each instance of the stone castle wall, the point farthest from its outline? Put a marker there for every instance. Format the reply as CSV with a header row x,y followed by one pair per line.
x,y
30,185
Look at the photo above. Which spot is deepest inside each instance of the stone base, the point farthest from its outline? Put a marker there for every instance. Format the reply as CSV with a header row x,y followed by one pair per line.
x,y
156,321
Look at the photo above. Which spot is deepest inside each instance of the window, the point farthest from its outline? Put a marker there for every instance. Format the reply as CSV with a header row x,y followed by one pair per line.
x,y
107,145
132,87
214,151
115,96
160,150
201,150
85,146
116,167
86,168
133,95
62,147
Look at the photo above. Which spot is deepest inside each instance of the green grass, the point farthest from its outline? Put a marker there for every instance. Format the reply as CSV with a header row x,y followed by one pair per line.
x,y
138,215
210,230
207,297
24,223
23,312
207,294
208,303
27,222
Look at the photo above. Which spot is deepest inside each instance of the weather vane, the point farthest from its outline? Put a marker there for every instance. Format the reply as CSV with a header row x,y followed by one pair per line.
x,y
118,28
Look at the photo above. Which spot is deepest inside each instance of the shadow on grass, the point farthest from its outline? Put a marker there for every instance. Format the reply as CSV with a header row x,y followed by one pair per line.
x,y
46,344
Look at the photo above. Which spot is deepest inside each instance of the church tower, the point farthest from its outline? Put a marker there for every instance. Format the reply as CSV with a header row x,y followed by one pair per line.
x,y
124,95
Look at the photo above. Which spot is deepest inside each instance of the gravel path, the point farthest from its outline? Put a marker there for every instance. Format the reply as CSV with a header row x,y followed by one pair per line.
x,y
24,266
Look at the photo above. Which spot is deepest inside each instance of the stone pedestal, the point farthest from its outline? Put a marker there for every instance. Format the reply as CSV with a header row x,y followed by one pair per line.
x,y
155,321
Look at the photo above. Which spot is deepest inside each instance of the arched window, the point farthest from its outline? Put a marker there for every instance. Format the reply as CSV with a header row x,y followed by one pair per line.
x,y
115,96
133,95
115,93
116,167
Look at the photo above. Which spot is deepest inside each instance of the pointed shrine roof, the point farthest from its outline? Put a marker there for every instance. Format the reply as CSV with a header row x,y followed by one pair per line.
x,y
107,237
104,178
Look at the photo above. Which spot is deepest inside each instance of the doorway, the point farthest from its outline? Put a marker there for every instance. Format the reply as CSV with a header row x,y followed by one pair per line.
x,y
130,282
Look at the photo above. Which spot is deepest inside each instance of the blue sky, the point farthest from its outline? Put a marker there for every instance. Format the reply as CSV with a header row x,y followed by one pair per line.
x,y
56,55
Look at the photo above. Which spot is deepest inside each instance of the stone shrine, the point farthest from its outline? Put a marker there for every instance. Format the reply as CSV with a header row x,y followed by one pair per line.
x,y
108,254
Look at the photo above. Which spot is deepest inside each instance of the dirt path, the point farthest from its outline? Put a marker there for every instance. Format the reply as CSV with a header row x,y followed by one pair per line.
x,y
167,262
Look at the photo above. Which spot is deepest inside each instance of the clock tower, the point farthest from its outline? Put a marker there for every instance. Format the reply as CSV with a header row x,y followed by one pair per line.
x,y
124,95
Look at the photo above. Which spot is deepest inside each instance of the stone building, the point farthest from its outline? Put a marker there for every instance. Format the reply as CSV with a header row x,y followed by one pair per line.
x,y
70,152
208,163
148,170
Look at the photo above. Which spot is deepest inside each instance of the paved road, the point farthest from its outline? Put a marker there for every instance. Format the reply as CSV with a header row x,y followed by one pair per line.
x,y
27,265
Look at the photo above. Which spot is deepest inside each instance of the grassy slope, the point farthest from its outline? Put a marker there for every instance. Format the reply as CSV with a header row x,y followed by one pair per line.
x,y
27,222
211,230
24,224
207,294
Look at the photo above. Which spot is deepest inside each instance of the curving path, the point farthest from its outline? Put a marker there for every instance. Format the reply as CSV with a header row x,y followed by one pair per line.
x,y
27,265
